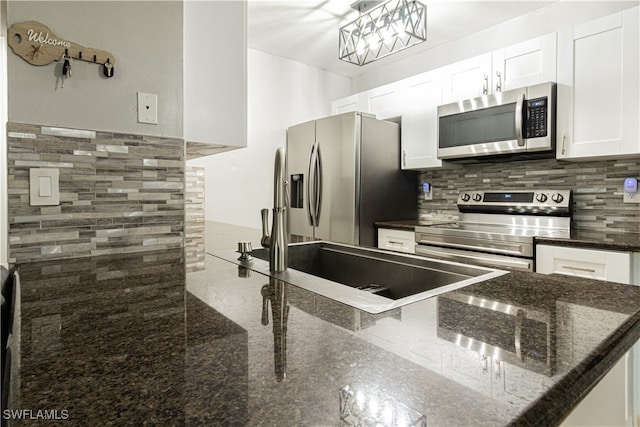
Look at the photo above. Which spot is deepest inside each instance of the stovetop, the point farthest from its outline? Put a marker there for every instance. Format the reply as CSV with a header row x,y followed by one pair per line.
x,y
518,215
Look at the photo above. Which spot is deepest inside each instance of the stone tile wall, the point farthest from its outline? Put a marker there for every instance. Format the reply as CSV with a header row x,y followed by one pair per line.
x,y
194,219
597,188
119,193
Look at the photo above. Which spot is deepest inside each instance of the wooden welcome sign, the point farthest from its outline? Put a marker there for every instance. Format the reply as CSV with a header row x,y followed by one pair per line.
x,y
38,45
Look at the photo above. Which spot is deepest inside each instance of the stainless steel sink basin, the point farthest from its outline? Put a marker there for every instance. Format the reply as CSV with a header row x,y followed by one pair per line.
x,y
368,279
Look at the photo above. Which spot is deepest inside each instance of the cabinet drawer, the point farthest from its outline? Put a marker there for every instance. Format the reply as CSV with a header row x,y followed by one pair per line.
x,y
589,263
397,240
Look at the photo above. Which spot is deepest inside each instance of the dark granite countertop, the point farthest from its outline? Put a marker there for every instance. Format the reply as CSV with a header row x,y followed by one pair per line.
x,y
411,224
590,239
614,239
133,340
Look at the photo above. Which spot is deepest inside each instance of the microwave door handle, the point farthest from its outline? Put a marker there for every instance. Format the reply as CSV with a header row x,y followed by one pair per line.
x,y
519,105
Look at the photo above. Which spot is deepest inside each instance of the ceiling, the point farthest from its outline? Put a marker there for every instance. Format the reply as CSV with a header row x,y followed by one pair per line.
x,y
307,30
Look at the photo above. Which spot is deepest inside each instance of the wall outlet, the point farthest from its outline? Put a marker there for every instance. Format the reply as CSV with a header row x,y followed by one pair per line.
x,y
630,191
147,108
631,197
427,189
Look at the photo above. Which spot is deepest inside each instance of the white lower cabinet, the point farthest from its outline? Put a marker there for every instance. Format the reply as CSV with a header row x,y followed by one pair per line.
x,y
612,266
397,240
614,401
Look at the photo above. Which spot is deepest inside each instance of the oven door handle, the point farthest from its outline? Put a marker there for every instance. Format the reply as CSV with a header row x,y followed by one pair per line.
x,y
475,258
497,247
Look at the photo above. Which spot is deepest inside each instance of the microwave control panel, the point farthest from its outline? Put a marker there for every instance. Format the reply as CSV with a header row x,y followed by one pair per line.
x,y
536,118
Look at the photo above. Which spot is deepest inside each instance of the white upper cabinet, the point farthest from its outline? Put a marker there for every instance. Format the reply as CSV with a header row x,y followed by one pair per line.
x,y
348,104
522,64
525,64
421,96
466,79
215,73
416,99
599,88
384,102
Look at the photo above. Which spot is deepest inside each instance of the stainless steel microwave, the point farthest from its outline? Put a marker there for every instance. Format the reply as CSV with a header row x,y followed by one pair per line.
x,y
511,122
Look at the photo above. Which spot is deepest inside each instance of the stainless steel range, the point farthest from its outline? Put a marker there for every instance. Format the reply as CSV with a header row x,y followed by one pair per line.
x,y
497,228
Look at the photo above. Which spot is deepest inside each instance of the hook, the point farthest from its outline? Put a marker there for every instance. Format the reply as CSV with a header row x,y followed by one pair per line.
x,y
79,55
107,69
94,58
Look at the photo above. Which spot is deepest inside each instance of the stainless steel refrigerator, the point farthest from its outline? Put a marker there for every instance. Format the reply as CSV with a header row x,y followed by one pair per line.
x,y
344,175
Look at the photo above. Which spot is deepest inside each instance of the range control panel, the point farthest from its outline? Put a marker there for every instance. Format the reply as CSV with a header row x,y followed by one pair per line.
x,y
517,201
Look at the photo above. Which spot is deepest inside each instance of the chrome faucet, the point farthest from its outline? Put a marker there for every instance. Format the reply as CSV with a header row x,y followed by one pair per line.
x,y
277,241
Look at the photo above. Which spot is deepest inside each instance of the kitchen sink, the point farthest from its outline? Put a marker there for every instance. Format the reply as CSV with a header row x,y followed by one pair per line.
x,y
369,279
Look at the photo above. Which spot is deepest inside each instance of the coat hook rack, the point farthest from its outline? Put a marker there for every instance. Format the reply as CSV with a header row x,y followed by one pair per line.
x,y
38,45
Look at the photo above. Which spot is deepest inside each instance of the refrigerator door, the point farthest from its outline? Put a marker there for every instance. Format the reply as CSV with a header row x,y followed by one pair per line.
x,y
337,141
300,141
386,192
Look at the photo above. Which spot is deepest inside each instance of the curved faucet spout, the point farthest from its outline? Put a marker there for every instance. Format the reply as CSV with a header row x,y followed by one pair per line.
x,y
277,241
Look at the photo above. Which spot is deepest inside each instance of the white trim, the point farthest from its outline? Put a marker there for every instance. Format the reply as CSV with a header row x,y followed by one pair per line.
x,y
4,214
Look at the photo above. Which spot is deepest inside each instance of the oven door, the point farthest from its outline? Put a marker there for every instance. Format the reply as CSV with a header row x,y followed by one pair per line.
x,y
475,258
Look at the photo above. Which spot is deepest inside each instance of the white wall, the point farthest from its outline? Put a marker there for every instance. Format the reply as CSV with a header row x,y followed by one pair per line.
x,y
144,36
281,93
548,19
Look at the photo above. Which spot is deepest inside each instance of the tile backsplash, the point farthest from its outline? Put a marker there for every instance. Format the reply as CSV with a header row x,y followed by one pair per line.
x,y
119,193
194,219
596,185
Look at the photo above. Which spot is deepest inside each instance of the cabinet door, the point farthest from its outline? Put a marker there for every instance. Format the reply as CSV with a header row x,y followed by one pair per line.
x,y
599,88
525,64
611,401
589,263
421,97
466,79
397,240
384,102
215,96
347,104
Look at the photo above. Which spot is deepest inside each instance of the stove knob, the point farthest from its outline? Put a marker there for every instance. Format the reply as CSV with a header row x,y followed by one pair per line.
x,y
558,198
465,197
477,197
541,197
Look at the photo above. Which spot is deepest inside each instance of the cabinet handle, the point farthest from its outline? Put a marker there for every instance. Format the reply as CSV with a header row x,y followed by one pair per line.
x,y
404,157
564,145
395,243
499,82
588,270
485,86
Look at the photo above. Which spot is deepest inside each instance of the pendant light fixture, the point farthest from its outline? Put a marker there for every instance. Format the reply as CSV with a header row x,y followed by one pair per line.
x,y
382,29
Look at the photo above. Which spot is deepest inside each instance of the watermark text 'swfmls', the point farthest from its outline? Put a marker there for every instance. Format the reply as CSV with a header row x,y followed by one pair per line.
x,y
35,414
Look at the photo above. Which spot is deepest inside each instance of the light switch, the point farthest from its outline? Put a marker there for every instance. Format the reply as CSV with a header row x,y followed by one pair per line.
x,y
44,187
